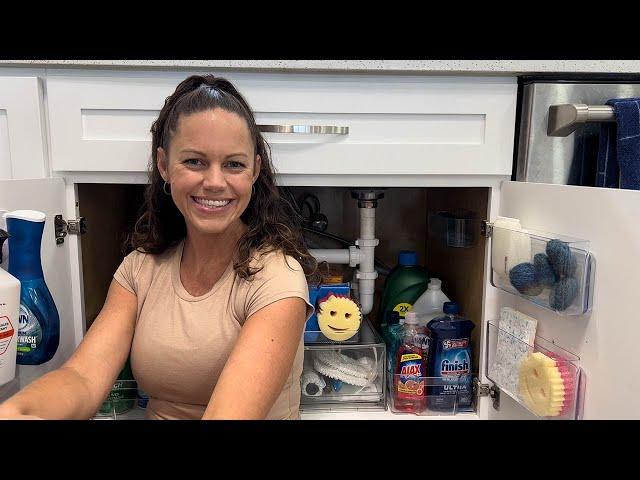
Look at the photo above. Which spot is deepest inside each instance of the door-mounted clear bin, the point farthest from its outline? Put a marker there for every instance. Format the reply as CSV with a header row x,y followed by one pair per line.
x,y
545,378
551,270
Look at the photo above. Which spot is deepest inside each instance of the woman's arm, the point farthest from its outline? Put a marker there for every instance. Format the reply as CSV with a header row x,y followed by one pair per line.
x,y
260,362
77,389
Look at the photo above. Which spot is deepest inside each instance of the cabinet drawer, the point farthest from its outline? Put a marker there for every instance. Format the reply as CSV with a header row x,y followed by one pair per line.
x,y
397,124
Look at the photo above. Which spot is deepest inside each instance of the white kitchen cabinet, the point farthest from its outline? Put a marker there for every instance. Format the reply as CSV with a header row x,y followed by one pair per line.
x,y
603,339
23,142
397,124
61,272
606,339
404,131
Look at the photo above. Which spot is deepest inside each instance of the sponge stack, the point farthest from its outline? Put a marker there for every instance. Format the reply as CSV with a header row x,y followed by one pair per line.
x,y
546,385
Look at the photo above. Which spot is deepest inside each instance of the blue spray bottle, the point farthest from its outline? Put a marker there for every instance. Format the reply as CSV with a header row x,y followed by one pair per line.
x,y
38,322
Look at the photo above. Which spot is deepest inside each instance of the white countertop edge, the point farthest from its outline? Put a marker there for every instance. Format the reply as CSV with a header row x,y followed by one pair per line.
x,y
431,66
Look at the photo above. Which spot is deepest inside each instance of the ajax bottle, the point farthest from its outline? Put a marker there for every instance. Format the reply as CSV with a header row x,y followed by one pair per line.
x,y
38,323
430,303
9,308
451,359
404,285
409,379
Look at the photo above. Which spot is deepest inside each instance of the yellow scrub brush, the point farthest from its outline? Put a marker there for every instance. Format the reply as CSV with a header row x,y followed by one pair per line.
x,y
546,385
338,317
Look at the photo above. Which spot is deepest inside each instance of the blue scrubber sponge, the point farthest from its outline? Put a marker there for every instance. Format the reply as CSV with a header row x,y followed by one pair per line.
x,y
543,270
561,258
523,278
563,293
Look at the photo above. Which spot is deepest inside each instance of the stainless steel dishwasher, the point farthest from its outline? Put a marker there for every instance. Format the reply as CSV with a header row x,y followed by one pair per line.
x,y
559,127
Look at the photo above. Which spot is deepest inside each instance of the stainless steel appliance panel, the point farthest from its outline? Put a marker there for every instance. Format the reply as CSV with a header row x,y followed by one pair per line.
x,y
544,159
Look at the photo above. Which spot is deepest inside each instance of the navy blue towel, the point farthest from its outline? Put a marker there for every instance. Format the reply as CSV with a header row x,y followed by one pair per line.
x,y
619,148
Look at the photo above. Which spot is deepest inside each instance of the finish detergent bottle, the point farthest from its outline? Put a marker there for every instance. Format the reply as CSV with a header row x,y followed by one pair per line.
x,y
38,322
451,360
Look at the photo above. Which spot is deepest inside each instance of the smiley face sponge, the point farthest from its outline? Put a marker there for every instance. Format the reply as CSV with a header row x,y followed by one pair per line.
x,y
338,317
545,385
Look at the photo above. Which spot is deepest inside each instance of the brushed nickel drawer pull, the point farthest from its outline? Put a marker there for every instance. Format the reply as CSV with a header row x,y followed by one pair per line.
x,y
320,129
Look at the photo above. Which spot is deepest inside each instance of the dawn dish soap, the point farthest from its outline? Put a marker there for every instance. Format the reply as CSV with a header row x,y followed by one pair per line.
x,y
450,358
38,322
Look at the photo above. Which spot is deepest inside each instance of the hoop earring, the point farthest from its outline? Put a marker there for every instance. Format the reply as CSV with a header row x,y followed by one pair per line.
x,y
164,188
253,189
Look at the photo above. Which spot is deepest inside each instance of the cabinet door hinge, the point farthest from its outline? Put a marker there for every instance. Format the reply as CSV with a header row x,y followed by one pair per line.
x,y
486,228
486,390
71,227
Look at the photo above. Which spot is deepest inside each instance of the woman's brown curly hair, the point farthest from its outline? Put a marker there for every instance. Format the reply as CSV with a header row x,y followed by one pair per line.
x,y
273,223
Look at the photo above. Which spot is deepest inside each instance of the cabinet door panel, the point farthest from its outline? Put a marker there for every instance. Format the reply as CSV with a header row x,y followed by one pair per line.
x,y
606,339
45,195
22,139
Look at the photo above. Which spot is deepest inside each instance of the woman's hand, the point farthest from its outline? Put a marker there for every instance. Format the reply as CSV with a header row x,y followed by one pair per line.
x,y
9,413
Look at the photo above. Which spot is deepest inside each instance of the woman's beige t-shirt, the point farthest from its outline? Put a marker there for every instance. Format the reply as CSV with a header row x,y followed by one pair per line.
x,y
181,342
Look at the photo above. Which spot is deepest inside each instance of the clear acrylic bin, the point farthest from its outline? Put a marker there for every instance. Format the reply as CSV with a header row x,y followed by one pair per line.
x,y
545,378
553,271
121,403
316,337
347,375
457,229
431,403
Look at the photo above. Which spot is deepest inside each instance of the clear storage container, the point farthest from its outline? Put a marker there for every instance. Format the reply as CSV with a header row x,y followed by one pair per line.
x,y
455,229
432,404
543,377
346,375
121,403
551,270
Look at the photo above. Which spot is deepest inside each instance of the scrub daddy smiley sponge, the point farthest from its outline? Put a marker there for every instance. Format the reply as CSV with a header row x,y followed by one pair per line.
x,y
338,317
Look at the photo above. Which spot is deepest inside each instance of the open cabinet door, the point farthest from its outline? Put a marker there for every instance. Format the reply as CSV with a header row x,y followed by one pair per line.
x,y
48,196
605,339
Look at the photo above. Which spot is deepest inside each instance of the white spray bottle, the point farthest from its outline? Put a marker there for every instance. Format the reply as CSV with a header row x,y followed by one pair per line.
x,y
9,311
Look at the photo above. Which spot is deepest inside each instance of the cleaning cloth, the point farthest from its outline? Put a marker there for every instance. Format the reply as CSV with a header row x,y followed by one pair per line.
x,y
619,146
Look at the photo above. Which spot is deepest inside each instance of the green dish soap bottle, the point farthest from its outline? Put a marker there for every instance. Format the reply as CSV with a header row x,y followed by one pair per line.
x,y
406,282
122,397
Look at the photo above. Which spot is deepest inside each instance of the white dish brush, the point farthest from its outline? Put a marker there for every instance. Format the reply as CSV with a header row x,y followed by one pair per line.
x,y
333,364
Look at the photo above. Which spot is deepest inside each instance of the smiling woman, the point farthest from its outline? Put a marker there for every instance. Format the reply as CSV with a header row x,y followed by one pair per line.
x,y
212,171
211,302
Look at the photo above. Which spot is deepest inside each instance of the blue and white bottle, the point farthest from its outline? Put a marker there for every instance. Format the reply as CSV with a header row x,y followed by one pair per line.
x,y
38,322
